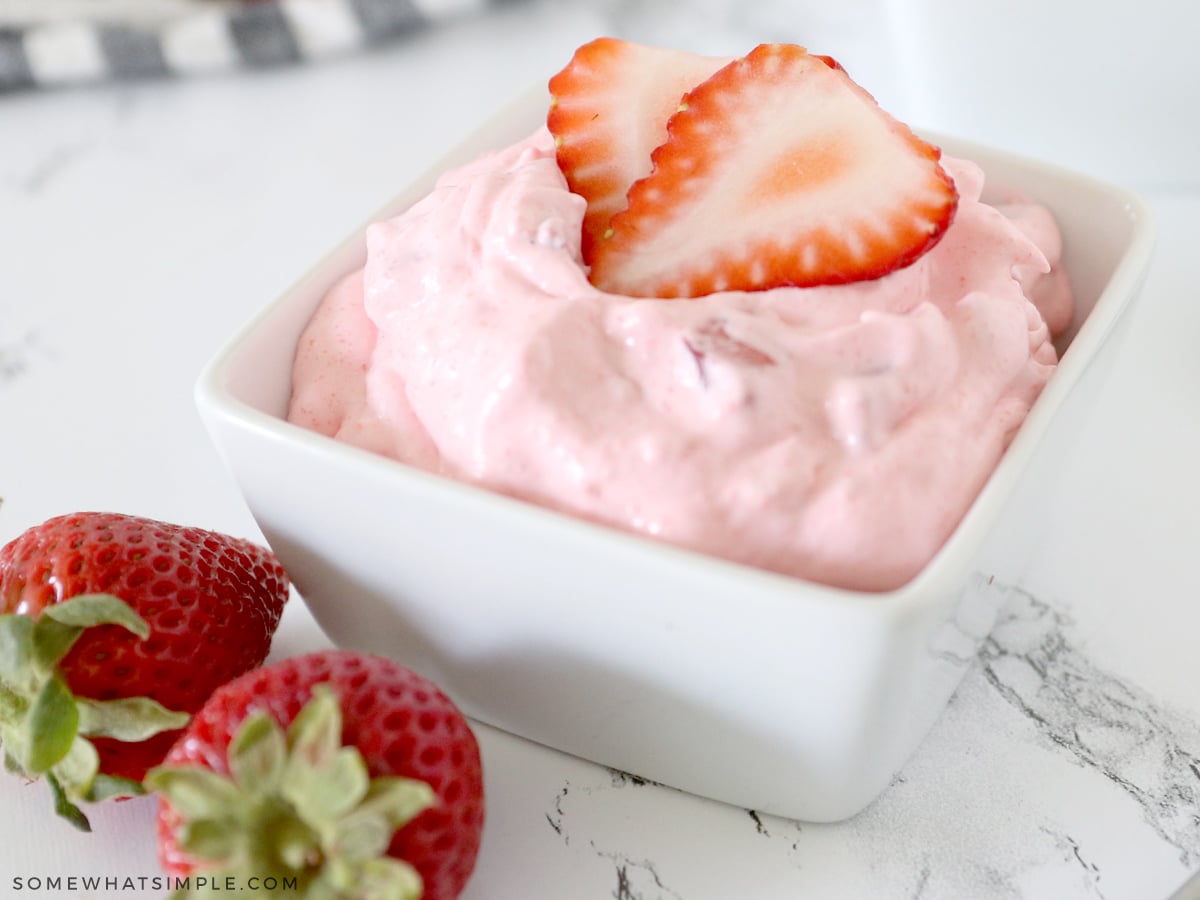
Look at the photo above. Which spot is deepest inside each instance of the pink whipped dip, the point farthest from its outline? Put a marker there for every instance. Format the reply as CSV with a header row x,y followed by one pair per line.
x,y
837,434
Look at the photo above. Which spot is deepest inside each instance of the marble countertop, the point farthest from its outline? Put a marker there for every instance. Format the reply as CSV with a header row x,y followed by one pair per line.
x,y
140,225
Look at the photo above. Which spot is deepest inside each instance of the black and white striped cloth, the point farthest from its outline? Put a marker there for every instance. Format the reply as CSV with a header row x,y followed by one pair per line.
x,y
205,37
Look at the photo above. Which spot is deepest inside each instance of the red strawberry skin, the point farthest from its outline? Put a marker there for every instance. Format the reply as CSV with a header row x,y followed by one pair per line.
x,y
212,602
402,724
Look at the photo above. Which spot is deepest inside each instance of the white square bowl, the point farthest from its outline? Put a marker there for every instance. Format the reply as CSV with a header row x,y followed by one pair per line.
x,y
733,683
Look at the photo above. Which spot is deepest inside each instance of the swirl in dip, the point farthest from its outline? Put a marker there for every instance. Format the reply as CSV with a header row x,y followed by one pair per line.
x,y
837,434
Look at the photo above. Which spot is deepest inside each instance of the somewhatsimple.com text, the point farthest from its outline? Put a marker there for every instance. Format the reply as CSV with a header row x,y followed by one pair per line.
x,y
123,884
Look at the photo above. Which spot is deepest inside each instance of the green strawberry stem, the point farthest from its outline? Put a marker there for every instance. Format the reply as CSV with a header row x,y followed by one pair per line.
x,y
44,728
297,805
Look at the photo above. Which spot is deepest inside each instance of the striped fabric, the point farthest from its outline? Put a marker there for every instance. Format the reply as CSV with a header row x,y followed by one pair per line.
x,y
208,37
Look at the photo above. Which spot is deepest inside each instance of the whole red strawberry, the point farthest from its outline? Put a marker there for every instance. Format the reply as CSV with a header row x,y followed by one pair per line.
x,y
376,789
97,609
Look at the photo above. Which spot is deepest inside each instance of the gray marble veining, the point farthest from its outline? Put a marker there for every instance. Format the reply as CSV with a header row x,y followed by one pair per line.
x,y
1033,673
1105,724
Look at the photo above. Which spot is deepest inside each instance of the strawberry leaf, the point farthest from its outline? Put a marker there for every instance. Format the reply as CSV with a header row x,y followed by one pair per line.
x,y
324,780
15,642
127,719
315,735
376,879
105,787
51,641
43,727
52,723
399,800
209,839
298,845
323,795
71,779
195,792
361,836
391,803
66,808
10,705
257,754
76,771
87,610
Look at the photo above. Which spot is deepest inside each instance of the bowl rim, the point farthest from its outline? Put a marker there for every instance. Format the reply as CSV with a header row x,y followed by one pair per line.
x,y
215,400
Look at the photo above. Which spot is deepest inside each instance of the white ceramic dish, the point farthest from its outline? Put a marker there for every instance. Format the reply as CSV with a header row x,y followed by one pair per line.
x,y
733,683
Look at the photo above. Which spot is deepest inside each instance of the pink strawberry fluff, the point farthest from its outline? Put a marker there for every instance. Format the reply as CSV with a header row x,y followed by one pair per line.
x,y
835,434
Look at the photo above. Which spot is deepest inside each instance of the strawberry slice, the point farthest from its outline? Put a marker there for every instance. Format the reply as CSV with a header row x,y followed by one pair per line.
x,y
609,110
778,170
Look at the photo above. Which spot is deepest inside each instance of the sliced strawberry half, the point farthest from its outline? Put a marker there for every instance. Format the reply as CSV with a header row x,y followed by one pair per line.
x,y
609,109
778,170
